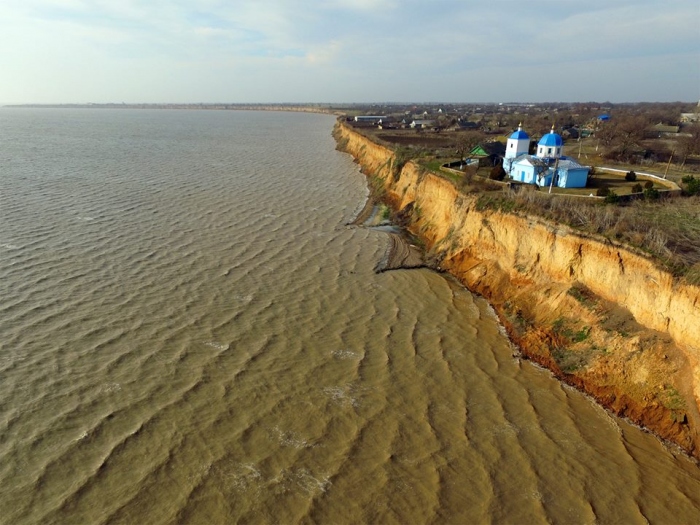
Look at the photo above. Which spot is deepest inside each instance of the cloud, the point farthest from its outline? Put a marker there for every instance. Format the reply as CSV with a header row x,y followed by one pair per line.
x,y
362,5
324,54
408,47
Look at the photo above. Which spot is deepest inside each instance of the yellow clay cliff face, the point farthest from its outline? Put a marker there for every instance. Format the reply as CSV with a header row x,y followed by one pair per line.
x,y
599,315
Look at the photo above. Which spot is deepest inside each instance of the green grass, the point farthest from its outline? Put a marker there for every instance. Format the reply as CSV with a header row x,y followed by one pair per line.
x,y
581,335
433,165
570,361
672,398
453,177
560,327
386,213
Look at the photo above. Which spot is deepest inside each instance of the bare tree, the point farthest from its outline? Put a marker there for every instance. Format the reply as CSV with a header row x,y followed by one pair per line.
x,y
689,144
623,135
467,141
440,123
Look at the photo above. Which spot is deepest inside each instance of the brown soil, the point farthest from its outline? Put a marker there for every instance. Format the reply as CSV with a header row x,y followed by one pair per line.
x,y
598,347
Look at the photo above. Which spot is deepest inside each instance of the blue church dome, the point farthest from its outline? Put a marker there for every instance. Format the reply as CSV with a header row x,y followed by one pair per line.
x,y
519,135
551,139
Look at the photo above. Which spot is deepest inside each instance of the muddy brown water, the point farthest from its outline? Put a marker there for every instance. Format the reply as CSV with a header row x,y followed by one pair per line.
x,y
192,333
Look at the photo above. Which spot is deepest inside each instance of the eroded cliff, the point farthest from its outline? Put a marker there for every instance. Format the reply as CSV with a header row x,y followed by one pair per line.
x,y
601,316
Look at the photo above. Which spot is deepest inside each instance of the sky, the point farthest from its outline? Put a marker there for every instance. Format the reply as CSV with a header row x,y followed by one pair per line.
x,y
339,51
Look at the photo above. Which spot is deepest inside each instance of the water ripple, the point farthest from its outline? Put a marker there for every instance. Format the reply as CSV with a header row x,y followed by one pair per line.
x,y
190,333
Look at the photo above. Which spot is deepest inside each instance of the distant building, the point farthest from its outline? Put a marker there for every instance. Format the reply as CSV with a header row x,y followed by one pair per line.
x,y
466,124
570,133
549,166
387,123
422,123
662,130
370,118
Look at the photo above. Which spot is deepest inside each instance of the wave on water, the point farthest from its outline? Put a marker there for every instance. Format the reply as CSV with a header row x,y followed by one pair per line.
x,y
346,354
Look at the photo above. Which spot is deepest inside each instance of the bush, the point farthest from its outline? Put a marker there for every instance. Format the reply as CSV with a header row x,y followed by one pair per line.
x,y
637,188
603,191
692,185
497,173
651,194
648,185
612,198
630,176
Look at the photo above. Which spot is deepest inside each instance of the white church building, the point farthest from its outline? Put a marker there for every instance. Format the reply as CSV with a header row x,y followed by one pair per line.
x,y
549,166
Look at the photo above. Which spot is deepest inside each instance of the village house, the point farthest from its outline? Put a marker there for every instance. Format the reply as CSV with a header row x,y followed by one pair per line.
x,y
488,153
370,118
691,117
662,130
422,124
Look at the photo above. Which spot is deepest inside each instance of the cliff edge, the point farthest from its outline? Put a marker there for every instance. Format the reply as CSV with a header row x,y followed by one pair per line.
x,y
601,316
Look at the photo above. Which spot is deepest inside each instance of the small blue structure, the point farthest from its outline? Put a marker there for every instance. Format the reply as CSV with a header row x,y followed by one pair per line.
x,y
549,167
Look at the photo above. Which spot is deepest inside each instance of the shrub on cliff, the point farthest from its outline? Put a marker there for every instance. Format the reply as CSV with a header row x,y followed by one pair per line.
x,y
630,176
637,188
402,156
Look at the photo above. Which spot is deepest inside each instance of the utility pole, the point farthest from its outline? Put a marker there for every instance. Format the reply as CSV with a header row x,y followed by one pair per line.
x,y
669,163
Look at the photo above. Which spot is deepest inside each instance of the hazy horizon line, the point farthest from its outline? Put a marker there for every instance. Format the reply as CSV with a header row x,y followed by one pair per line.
x,y
356,103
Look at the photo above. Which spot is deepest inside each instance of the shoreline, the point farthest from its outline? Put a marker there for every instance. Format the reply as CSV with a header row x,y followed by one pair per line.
x,y
555,315
298,108
402,253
